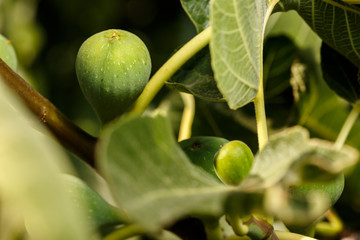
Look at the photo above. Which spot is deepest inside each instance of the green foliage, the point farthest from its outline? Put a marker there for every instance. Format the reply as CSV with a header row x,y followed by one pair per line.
x,y
237,77
113,68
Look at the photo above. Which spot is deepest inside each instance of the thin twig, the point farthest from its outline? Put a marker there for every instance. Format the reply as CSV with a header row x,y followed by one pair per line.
x,y
67,133
347,126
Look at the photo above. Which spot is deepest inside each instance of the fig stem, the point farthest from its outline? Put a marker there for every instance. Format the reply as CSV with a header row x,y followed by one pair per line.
x,y
238,225
169,68
348,124
212,229
67,133
259,100
260,114
331,228
187,116
125,232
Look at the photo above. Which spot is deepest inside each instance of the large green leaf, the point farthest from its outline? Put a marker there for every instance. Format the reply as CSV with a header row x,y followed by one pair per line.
x,y
198,11
151,177
30,184
336,22
236,47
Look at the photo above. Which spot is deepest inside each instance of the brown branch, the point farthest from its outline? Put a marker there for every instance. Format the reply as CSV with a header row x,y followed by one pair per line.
x,y
67,133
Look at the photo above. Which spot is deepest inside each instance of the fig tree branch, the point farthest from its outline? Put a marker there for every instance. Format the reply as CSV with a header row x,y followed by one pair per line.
x,y
67,133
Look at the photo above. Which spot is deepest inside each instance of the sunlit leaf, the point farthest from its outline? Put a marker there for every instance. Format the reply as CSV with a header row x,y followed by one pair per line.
x,y
236,47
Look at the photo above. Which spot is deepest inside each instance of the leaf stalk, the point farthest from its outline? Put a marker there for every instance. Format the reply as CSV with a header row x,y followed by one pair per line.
x,y
260,114
169,68
259,101
348,124
187,116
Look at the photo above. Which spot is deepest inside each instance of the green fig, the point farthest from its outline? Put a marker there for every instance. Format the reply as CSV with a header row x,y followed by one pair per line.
x,y
112,68
99,212
233,162
7,53
332,188
201,151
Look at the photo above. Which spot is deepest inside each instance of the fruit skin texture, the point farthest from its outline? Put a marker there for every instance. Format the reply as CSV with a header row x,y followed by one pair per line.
x,y
7,53
112,67
201,151
233,162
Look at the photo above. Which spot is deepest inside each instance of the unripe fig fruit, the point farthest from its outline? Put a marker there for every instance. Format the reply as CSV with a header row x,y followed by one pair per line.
x,y
233,162
7,53
112,68
201,151
332,188
97,210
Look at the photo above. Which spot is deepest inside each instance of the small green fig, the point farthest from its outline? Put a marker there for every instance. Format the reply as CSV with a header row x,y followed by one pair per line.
x,y
233,162
7,53
332,188
97,210
201,151
112,68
